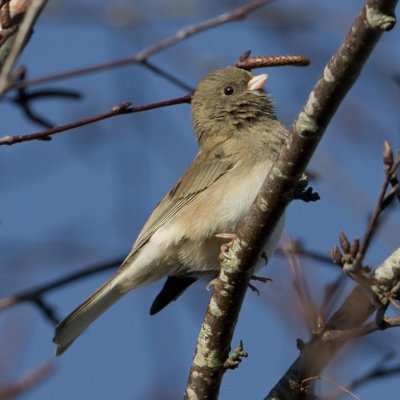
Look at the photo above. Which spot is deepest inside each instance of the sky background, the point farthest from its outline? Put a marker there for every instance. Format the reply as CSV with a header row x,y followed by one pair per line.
x,y
82,198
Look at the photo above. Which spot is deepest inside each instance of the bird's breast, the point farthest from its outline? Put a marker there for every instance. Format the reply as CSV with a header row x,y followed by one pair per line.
x,y
223,205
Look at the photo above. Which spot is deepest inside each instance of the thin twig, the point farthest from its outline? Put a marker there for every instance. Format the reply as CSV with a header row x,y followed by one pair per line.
x,y
304,302
119,109
377,372
167,76
234,15
123,108
35,295
332,382
373,222
271,61
296,247
32,378
352,260
35,8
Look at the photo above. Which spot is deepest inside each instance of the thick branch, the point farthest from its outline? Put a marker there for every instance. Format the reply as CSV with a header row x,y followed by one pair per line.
x,y
339,75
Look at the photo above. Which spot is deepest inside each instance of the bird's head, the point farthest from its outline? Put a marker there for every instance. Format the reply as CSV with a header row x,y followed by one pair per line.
x,y
228,100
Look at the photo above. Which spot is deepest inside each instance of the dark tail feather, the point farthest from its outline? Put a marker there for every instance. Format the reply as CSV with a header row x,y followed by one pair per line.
x,y
172,289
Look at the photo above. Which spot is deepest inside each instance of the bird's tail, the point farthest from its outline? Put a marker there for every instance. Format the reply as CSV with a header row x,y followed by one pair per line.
x,y
79,319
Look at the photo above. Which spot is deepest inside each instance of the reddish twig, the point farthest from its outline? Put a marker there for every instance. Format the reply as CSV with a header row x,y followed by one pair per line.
x,y
32,378
122,108
246,62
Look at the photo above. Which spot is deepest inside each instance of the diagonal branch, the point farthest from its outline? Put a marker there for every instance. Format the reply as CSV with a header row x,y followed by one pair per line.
x,y
339,75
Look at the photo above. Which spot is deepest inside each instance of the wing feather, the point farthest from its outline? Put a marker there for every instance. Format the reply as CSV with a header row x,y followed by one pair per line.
x,y
206,168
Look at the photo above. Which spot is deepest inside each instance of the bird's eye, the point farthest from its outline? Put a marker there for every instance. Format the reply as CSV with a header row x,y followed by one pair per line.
x,y
229,90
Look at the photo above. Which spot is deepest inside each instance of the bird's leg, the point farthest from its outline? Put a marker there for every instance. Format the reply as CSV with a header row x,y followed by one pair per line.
x,y
225,247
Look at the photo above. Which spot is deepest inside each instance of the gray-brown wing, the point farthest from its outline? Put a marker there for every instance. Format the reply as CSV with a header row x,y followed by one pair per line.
x,y
206,168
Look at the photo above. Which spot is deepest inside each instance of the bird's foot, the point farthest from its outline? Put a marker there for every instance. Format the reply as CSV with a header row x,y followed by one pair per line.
x,y
211,283
225,247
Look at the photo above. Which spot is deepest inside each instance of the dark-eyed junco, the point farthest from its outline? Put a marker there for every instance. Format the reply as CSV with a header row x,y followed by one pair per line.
x,y
239,138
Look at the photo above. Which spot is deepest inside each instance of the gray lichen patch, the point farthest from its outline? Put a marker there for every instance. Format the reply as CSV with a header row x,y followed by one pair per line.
x,y
379,20
328,76
214,308
312,102
306,125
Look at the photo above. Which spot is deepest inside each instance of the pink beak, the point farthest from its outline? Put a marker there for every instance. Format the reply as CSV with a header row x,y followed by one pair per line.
x,y
257,82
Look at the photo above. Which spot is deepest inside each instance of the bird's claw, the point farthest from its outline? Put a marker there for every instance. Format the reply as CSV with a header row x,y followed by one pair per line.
x,y
260,279
211,283
225,247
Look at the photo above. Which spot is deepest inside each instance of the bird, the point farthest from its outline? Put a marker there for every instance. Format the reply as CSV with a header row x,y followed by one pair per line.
x,y
239,137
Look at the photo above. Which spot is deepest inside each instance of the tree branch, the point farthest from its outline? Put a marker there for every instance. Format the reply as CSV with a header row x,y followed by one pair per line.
x,y
277,191
122,108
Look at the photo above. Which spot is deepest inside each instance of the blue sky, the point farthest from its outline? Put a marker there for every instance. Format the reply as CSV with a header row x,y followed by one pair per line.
x,y
82,198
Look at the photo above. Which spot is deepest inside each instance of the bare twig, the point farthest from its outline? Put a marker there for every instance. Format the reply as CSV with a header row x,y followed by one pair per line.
x,y
238,13
35,8
351,260
35,295
119,109
296,247
378,371
305,304
271,61
167,76
322,378
380,205
11,390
